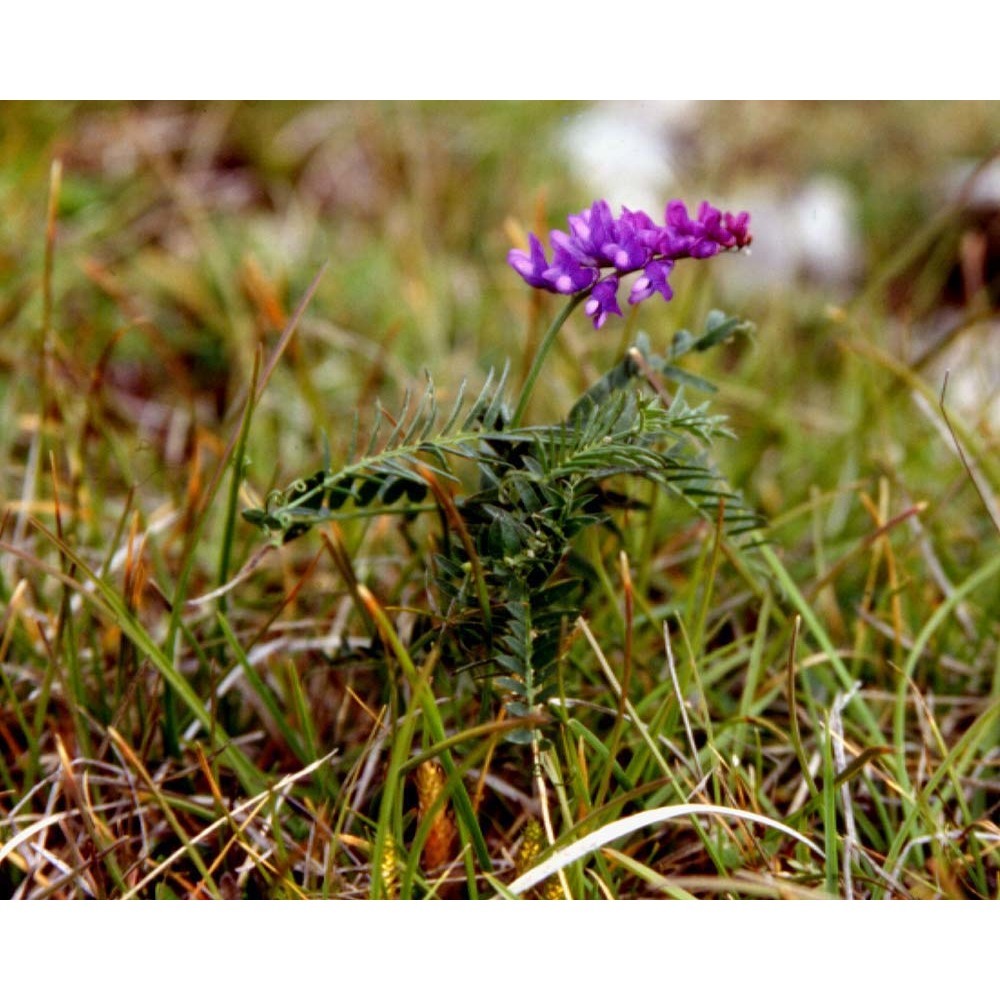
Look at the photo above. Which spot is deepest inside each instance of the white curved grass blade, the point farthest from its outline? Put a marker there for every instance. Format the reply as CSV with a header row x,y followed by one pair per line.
x,y
630,824
28,832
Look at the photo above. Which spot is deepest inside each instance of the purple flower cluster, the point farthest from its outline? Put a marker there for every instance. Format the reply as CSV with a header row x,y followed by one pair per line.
x,y
632,242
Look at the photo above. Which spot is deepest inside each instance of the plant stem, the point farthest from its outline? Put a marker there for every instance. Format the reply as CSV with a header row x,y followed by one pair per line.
x,y
543,349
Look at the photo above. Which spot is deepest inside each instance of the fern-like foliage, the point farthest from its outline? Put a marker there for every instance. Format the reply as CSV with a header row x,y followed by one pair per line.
x,y
501,570
393,464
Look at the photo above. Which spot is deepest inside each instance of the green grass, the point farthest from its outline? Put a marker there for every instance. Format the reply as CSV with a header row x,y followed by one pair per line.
x,y
197,304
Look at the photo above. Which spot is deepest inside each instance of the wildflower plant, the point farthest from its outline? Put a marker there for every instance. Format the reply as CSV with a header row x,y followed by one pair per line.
x,y
502,583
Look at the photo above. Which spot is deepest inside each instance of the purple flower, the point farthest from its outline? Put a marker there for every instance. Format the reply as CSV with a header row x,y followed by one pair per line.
x,y
568,274
646,231
627,250
687,237
653,279
603,300
592,236
531,267
738,227
598,243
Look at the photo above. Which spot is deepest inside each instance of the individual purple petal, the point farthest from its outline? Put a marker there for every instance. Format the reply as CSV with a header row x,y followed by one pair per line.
x,y
567,275
622,248
674,246
653,279
531,267
681,234
573,248
603,300
628,254
602,233
705,247
592,232
678,220
725,229
589,231
709,216
636,220
714,227
739,228
647,232
698,238
580,226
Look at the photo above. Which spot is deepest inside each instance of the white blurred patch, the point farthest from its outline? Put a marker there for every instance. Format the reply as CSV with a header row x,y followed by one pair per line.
x,y
805,234
623,151
972,364
975,182
972,359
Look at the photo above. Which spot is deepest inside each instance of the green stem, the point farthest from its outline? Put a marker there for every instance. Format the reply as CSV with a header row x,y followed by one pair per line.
x,y
543,349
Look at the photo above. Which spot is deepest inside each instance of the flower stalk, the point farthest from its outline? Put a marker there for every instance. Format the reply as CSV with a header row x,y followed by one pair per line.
x,y
540,355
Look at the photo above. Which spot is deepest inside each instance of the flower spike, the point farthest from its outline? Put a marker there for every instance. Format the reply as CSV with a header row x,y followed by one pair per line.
x,y
599,250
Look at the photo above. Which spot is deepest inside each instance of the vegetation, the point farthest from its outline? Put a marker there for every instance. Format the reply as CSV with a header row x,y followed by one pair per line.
x,y
305,593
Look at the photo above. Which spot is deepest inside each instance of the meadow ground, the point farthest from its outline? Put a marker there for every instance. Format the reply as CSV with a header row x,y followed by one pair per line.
x,y
203,304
